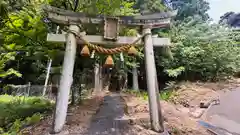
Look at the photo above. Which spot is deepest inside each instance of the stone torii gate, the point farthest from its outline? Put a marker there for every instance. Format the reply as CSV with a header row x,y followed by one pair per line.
x,y
110,37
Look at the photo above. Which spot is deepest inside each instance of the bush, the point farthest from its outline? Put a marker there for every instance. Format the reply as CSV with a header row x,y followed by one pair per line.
x,y
16,111
164,95
202,51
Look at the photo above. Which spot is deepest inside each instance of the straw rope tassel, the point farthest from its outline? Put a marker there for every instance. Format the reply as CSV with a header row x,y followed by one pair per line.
x,y
109,61
85,51
132,51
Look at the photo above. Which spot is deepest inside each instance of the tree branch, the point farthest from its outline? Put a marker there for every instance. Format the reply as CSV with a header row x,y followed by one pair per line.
x,y
76,5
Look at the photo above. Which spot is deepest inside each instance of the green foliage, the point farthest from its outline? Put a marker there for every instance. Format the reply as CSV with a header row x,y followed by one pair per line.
x,y
3,8
164,95
138,93
106,7
19,124
199,50
175,72
4,58
151,5
24,34
191,8
16,112
24,30
202,51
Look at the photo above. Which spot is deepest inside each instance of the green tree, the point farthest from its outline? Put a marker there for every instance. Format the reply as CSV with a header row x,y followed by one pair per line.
x,y
24,33
24,30
203,51
190,8
150,5
4,59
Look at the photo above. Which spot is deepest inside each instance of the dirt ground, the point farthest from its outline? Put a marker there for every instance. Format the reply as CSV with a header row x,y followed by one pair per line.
x,y
84,119
190,94
182,110
78,119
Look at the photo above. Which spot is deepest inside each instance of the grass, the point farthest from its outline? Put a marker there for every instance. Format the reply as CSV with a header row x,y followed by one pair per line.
x,y
164,95
17,112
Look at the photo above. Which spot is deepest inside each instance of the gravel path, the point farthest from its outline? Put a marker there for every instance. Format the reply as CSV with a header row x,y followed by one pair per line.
x,y
105,121
111,119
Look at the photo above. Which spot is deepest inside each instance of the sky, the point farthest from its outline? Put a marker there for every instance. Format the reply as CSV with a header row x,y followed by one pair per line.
x,y
220,7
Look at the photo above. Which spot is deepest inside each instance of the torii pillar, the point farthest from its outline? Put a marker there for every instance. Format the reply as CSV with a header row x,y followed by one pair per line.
x,y
151,75
66,81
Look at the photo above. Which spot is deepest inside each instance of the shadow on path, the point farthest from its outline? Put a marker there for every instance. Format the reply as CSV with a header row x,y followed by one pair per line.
x,y
104,122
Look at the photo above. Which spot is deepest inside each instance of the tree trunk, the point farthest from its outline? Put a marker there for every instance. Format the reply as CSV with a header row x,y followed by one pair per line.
x,y
98,80
74,96
135,78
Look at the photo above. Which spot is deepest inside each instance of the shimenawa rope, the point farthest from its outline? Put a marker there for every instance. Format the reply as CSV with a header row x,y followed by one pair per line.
x,y
103,50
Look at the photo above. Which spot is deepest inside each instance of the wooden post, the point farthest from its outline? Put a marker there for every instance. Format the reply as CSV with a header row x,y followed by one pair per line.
x,y
100,77
97,77
135,78
65,82
151,82
47,77
29,88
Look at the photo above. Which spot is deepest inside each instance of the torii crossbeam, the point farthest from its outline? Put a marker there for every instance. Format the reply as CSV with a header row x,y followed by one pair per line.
x,y
62,38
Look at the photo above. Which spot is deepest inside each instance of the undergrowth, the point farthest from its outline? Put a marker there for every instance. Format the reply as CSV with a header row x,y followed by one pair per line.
x,y
164,95
19,112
